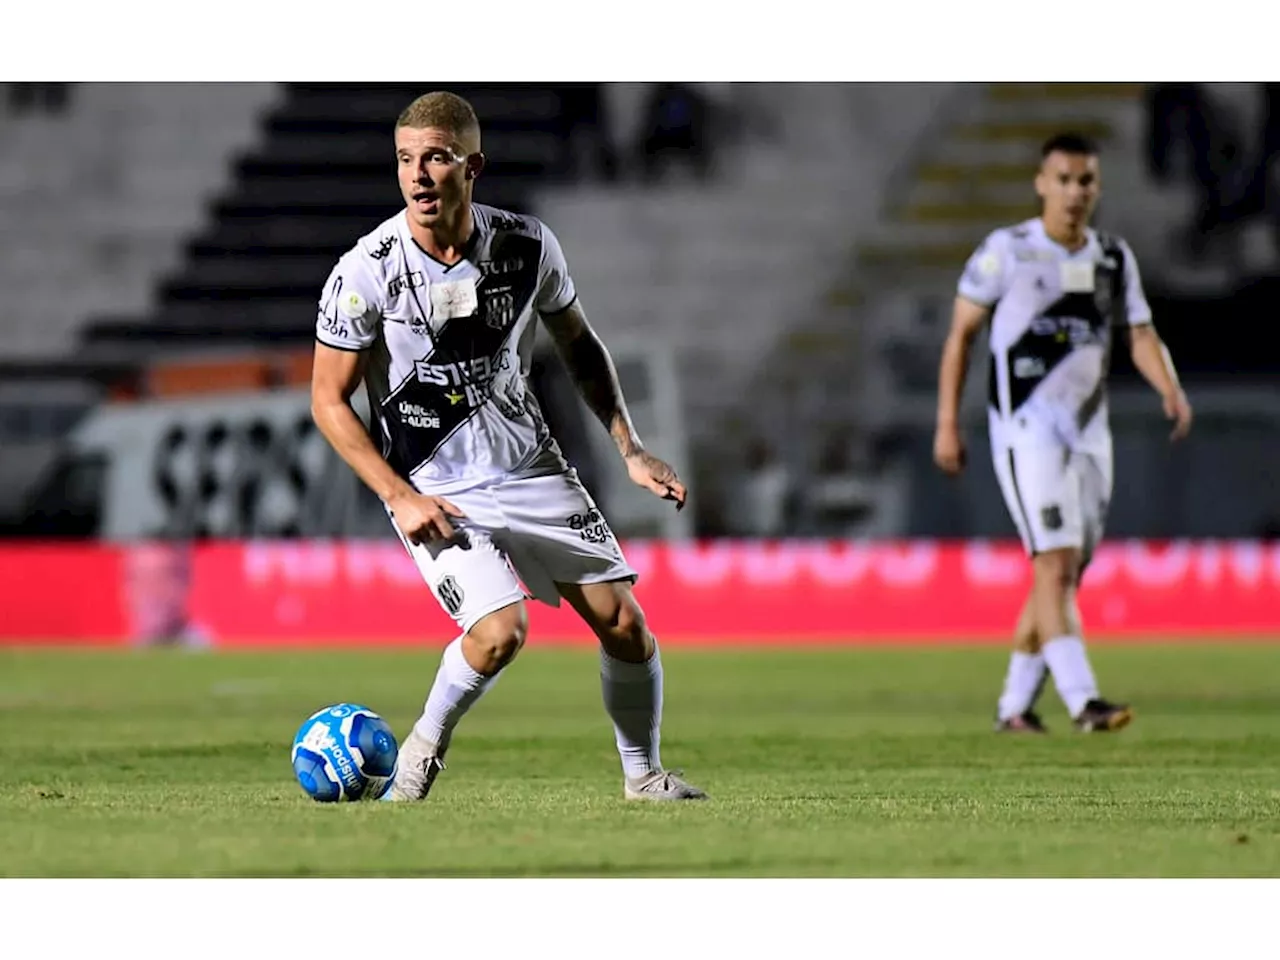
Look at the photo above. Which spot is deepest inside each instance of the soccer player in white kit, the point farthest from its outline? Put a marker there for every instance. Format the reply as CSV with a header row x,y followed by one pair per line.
x,y
1053,291
435,310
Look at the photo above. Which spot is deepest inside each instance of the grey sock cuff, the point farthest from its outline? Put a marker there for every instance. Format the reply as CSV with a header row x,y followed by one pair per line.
x,y
624,672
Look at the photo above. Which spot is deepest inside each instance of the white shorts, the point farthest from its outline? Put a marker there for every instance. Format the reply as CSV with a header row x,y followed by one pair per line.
x,y
1057,497
520,537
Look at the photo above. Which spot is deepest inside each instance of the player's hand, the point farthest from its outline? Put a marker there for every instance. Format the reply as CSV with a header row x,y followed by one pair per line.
x,y
657,477
1177,409
948,449
422,518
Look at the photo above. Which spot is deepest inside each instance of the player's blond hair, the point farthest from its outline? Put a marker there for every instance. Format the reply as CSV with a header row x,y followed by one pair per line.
x,y
444,111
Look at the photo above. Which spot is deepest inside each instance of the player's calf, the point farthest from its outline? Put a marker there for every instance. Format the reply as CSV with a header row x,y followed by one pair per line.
x,y
1025,677
631,686
468,667
1054,578
1056,575
624,633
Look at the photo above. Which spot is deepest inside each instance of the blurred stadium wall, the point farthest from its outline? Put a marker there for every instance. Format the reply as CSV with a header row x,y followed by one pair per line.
x,y
772,265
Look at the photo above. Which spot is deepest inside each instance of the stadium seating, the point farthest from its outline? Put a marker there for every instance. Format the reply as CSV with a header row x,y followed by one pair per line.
x,y
97,199
320,176
730,274
806,283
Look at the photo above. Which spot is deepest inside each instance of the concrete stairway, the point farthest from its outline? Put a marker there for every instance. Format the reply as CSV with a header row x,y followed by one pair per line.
x,y
975,176
728,276
94,203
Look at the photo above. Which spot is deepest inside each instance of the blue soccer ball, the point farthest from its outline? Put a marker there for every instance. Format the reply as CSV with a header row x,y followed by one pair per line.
x,y
345,752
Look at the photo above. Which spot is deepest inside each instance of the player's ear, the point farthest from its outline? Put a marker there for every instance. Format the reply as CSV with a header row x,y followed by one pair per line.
x,y
1039,183
475,163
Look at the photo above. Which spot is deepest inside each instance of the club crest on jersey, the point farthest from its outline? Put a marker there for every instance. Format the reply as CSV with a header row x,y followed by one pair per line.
x,y
499,310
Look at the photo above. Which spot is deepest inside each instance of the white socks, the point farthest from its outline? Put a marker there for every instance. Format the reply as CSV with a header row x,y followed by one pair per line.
x,y
1021,684
633,698
1072,674
456,689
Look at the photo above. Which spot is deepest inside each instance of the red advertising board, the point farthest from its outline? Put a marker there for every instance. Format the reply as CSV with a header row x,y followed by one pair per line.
x,y
790,592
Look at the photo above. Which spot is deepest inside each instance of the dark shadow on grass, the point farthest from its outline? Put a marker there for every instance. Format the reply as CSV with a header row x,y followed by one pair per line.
x,y
732,866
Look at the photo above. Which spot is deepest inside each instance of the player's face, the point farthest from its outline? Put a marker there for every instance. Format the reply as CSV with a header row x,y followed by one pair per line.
x,y
1069,184
435,172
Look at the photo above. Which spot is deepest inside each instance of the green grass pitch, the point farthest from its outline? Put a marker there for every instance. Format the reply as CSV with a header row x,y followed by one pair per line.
x,y
819,762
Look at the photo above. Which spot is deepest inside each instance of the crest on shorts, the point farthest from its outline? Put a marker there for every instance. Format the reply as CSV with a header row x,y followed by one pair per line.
x,y
1051,517
450,594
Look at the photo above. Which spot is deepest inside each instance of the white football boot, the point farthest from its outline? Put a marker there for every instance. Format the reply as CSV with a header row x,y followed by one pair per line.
x,y
417,767
661,785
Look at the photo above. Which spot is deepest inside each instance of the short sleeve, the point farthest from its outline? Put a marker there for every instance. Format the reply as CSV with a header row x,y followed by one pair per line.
x,y
1137,310
985,275
350,306
555,287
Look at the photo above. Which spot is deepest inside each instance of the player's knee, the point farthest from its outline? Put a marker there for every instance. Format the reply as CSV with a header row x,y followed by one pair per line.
x,y
626,634
1058,570
496,639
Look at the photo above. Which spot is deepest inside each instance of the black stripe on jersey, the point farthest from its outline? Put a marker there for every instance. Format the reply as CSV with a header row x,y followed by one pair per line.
x,y
1031,358
1114,315
993,376
1022,507
1074,319
408,377
993,384
454,380
1092,403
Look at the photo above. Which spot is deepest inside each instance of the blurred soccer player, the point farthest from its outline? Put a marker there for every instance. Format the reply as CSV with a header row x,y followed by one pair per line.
x,y
435,310
1053,289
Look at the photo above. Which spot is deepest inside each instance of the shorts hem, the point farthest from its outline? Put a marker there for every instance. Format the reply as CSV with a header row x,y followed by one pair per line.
x,y
1033,552
516,596
623,573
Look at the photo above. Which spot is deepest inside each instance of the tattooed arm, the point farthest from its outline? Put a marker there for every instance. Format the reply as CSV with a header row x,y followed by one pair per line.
x,y
592,370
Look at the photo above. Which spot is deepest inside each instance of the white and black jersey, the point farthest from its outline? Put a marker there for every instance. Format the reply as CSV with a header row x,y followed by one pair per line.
x,y
1053,316
450,347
